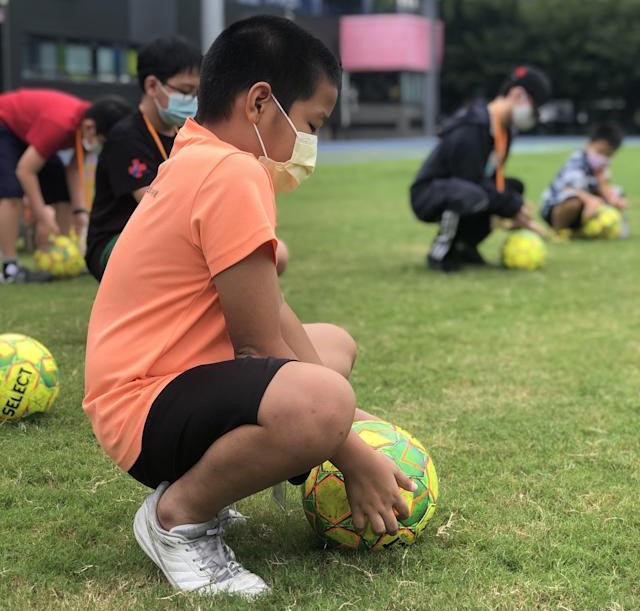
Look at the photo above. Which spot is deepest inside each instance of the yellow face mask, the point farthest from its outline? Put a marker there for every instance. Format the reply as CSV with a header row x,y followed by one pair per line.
x,y
287,175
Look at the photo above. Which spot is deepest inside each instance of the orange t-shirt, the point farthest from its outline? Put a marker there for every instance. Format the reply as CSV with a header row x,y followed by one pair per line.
x,y
157,311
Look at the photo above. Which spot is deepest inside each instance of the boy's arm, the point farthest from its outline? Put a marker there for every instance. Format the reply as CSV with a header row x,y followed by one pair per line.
x,y
27,170
79,205
296,337
590,202
613,196
251,302
524,220
291,330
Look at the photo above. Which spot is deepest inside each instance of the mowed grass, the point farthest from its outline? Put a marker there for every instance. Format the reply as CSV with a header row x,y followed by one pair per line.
x,y
525,386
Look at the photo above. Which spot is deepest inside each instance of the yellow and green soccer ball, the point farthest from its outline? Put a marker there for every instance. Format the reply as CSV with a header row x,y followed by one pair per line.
x,y
29,379
62,259
605,224
325,500
524,249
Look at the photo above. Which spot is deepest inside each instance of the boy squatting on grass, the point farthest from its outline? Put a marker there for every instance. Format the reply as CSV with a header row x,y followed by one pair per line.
x,y
581,186
462,184
200,380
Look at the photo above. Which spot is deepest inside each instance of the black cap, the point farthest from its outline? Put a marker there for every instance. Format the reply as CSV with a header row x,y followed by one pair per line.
x,y
534,81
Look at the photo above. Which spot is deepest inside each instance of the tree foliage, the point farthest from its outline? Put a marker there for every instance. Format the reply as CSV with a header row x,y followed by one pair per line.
x,y
590,50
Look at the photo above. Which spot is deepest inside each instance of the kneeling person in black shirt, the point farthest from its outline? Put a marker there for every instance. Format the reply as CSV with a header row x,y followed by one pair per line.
x,y
462,183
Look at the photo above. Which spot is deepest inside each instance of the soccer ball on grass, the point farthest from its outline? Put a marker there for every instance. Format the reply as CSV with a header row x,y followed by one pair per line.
x,y
29,380
325,500
605,224
524,249
62,259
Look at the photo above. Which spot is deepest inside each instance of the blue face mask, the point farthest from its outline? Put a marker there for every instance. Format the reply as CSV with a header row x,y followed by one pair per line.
x,y
179,109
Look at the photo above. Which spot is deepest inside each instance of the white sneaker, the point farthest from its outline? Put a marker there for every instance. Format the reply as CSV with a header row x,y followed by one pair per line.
x,y
228,518
193,556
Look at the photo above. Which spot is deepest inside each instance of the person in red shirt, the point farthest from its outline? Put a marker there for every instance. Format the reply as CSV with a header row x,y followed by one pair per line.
x,y
35,124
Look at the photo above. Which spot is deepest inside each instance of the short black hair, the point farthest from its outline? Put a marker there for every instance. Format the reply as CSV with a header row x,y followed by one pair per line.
x,y
263,48
167,56
107,111
534,81
611,133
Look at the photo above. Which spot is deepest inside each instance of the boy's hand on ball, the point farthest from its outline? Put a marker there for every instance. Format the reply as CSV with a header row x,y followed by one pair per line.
x,y
46,226
621,203
372,482
524,221
591,205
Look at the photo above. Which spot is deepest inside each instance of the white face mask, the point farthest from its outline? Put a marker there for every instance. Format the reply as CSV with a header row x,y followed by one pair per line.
x,y
523,116
92,145
287,175
597,161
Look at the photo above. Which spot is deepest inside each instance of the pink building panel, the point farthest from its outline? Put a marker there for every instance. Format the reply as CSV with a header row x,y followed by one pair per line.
x,y
388,43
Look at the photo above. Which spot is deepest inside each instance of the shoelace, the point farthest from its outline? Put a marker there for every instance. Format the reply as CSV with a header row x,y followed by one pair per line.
x,y
215,555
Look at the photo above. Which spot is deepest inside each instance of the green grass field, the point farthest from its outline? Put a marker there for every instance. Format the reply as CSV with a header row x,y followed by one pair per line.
x,y
525,386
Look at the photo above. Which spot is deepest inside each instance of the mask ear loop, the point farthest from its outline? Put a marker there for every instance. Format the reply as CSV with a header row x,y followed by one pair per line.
x,y
286,116
264,150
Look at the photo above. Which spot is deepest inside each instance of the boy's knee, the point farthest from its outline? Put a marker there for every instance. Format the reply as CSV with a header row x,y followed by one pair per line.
x,y
329,408
327,414
335,346
312,407
346,344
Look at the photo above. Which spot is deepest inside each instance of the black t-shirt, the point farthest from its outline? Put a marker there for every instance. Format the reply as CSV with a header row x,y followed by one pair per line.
x,y
128,161
465,149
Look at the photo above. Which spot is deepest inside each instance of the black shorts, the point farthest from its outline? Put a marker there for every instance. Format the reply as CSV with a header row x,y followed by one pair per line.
x,y
195,409
52,177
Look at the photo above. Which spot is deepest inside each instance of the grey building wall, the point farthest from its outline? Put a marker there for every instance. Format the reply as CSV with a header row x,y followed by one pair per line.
x,y
120,23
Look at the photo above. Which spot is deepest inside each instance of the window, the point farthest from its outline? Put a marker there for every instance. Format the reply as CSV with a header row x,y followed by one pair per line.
x,y
41,58
412,87
106,68
48,54
78,61
129,68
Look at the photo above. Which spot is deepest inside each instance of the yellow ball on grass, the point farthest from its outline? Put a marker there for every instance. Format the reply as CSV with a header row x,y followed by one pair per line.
x,y
524,249
29,377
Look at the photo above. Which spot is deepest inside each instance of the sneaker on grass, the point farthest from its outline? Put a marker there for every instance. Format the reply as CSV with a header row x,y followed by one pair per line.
x,y
193,557
14,273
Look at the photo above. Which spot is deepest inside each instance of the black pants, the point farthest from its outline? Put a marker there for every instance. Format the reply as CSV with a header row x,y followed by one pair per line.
x,y
463,209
